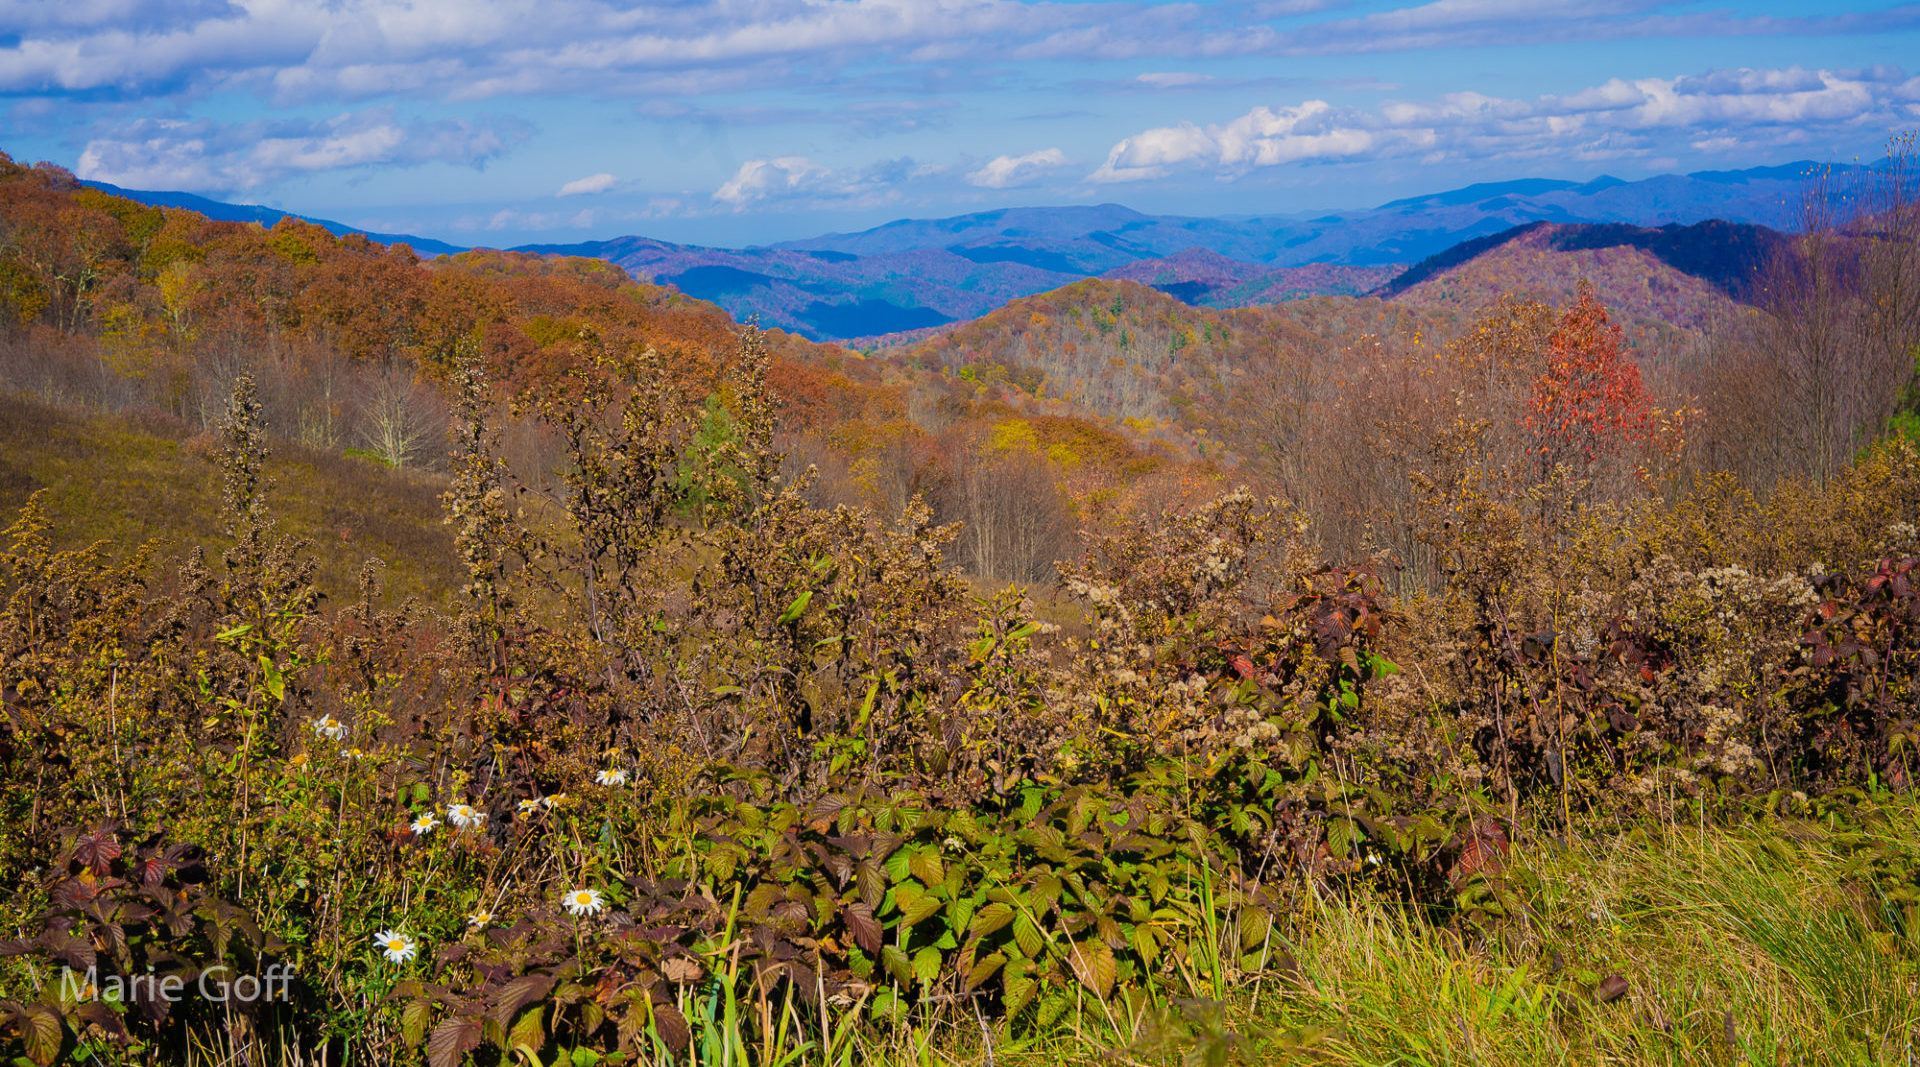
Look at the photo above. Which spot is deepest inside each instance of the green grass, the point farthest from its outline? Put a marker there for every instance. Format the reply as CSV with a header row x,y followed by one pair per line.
x,y
126,480
1755,945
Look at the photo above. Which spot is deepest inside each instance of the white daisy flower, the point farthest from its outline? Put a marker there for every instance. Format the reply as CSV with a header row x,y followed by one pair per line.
x,y
581,901
424,825
553,801
329,727
530,807
479,918
613,776
466,817
398,947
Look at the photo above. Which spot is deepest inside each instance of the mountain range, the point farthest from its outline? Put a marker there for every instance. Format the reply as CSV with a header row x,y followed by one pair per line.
x,y
912,274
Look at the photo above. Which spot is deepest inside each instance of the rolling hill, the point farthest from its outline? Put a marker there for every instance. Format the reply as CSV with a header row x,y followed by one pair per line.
x,y
1208,279
1683,276
1122,350
221,211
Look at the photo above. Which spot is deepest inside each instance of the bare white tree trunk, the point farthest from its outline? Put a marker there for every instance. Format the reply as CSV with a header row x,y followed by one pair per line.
x,y
399,417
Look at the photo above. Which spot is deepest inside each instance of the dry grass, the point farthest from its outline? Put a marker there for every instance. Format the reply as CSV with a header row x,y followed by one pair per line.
x,y
130,479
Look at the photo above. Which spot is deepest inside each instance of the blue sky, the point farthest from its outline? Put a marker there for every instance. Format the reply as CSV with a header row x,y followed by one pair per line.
x,y
745,121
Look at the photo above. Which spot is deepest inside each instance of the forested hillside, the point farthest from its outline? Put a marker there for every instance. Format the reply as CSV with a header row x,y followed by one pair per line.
x,y
1691,277
155,312
1208,279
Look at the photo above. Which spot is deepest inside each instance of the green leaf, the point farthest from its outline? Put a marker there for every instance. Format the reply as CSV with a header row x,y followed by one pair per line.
x,y
1046,890
413,1022
1342,835
991,918
1020,991
797,608
529,1034
908,894
960,913
1052,1006
983,969
1094,965
919,910
886,1005
926,964
1158,884
42,1034
925,865
896,864
1145,945
276,682
894,959
1254,923
1027,935
1031,798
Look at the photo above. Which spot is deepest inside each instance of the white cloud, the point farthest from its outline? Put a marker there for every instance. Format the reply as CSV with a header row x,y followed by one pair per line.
x,y
760,179
1005,171
1263,137
1619,117
1718,144
301,50
588,186
209,156
476,48
797,179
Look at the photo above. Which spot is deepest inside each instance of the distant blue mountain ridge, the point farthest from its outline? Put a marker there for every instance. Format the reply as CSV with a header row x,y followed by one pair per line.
x,y
915,273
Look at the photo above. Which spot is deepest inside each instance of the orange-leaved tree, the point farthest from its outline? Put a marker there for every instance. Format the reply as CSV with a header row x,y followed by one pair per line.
x,y
1588,404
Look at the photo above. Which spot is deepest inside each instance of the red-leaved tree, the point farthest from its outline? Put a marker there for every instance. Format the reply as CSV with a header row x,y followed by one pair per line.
x,y
1588,403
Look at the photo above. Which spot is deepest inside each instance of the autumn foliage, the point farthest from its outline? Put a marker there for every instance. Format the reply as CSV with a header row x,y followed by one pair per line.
x,y
1588,401
735,745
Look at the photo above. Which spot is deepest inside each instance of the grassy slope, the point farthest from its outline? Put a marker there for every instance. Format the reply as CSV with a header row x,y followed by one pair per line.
x,y
125,481
1756,945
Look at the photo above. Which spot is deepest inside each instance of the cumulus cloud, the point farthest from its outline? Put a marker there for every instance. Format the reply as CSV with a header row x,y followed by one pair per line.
x,y
588,186
761,179
1004,172
799,180
1619,117
206,155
